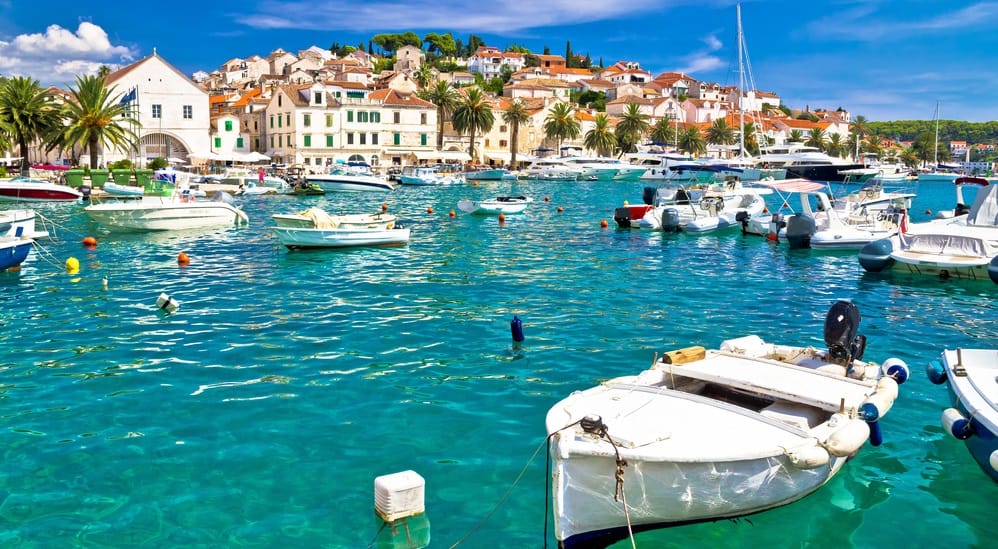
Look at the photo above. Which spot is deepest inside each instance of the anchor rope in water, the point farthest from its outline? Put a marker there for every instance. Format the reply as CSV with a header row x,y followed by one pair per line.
x,y
503,499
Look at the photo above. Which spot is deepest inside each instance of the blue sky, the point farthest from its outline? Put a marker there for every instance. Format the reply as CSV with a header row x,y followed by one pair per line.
x,y
886,60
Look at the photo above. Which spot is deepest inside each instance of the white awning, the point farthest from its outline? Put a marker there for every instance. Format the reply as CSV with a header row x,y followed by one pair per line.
x,y
502,156
442,155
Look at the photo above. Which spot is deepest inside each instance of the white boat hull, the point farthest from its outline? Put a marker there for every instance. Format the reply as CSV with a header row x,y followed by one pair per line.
x,y
501,205
350,183
297,238
165,214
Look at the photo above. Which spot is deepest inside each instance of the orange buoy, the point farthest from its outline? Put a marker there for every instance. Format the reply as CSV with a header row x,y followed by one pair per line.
x,y
765,210
560,209
183,259
452,214
785,205
90,242
928,212
384,207
429,210
770,236
502,218
547,199
474,183
603,223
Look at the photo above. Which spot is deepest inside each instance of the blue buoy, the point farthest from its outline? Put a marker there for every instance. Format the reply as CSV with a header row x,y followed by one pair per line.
x,y
516,327
876,256
993,269
876,437
936,372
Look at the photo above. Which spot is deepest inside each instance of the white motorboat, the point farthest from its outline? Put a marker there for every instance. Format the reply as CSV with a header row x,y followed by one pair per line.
x,y
718,205
317,218
553,169
341,237
971,376
352,177
495,206
823,224
959,247
710,434
31,189
13,251
20,223
167,213
247,177
602,168
429,176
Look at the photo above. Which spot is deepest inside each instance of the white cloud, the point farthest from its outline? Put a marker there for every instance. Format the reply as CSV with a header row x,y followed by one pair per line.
x,y
58,55
871,22
704,60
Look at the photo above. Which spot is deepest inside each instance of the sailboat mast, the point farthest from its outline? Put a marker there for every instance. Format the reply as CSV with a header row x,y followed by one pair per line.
x,y
935,151
741,85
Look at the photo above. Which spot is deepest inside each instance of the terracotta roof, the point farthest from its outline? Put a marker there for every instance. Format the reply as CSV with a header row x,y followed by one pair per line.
x,y
247,97
631,99
392,98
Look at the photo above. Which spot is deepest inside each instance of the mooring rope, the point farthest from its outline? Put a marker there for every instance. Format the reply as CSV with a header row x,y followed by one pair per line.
x,y
502,500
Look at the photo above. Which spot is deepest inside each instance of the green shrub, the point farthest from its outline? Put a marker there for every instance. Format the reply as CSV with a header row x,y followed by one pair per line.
x,y
158,163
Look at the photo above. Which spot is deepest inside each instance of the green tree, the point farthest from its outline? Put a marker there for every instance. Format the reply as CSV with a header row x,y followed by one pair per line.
x,y
796,136
28,113
423,76
441,44
515,115
835,146
631,127
751,139
445,98
664,131
692,141
816,138
473,115
560,123
601,138
95,116
720,133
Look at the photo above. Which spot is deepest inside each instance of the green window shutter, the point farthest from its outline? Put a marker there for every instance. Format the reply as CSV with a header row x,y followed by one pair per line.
x,y
308,141
397,138
218,142
422,139
279,120
377,117
329,141
239,142
349,116
271,121
307,122
228,125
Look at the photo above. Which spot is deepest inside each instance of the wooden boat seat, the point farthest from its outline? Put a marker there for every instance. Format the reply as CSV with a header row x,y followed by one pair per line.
x,y
776,379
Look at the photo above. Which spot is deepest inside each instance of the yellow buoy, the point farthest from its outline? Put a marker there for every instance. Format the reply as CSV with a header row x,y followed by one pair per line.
x,y
72,265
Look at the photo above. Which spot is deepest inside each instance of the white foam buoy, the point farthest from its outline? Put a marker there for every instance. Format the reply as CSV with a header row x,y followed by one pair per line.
x,y
399,495
167,303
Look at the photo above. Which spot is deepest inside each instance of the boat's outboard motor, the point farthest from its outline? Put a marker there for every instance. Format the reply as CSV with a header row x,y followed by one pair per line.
x,y
648,195
86,190
799,231
670,220
622,216
841,327
742,217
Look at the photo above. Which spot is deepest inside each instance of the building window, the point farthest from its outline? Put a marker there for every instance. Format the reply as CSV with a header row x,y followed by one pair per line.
x,y
272,142
228,125
397,117
271,121
188,112
307,120
374,139
396,138
318,98
280,121
355,95
422,139
329,141
422,118
361,116
363,139
287,119
307,141
256,143
157,111
349,116
239,142
279,97
503,143
376,117
350,138
280,140
329,121
256,125
502,129
218,142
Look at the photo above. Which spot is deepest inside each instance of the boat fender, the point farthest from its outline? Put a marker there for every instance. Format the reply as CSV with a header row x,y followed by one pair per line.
x,y
876,256
516,328
993,460
879,403
936,373
993,269
166,303
848,439
896,369
957,425
808,457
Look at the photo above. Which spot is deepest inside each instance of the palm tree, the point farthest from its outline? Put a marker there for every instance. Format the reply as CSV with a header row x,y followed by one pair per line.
x,y
95,117
514,115
445,98
472,115
692,141
27,113
561,124
796,136
423,76
751,139
835,146
601,138
632,126
720,133
662,131
816,138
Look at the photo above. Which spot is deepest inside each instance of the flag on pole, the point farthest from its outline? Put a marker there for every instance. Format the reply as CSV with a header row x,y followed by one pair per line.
x,y
129,97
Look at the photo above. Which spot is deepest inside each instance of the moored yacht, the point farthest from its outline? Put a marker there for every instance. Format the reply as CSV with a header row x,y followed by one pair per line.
x,y
807,163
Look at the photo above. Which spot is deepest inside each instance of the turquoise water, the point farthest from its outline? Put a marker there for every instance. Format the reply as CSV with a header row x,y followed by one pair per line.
x,y
260,413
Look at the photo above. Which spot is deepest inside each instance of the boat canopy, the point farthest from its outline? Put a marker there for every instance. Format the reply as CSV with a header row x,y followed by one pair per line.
x,y
796,185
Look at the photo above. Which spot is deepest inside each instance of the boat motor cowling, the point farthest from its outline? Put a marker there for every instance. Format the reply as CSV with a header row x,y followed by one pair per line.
x,y
648,195
622,216
799,231
841,333
670,220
